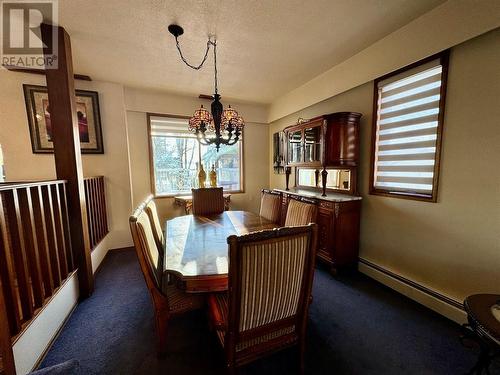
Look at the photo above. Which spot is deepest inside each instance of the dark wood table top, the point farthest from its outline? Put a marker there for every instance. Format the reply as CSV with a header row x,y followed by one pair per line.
x,y
484,310
196,249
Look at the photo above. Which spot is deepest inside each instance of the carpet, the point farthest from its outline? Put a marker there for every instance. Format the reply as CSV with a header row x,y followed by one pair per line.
x,y
356,326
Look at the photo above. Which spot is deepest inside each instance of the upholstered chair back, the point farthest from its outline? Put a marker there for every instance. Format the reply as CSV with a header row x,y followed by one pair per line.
x,y
154,219
300,213
270,280
270,205
208,201
146,248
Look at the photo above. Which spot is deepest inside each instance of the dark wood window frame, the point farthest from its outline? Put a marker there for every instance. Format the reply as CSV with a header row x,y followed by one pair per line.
x,y
151,164
443,58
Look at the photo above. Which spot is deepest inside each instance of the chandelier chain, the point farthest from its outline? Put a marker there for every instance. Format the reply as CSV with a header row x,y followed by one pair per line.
x,y
195,67
215,63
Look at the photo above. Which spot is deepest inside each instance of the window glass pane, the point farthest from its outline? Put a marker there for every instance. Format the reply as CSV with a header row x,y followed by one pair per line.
x,y
177,154
312,144
175,162
295,147
227,165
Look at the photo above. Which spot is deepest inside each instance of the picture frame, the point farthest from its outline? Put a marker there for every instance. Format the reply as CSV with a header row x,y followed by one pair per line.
x,y
88,114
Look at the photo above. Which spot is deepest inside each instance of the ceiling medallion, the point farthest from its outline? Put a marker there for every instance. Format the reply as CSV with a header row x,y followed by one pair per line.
x,y
219,126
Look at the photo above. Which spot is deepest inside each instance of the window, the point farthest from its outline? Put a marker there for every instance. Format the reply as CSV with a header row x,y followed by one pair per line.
x,y
407,127
175,155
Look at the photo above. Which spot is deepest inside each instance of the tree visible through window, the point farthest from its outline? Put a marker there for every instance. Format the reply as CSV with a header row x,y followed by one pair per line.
x,y
176,156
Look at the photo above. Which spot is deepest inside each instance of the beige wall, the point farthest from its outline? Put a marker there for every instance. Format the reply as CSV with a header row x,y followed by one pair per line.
x,y
452,246
447,25
22,164
256,152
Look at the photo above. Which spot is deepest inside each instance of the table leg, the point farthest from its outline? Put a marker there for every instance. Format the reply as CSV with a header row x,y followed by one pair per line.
x,y
485,356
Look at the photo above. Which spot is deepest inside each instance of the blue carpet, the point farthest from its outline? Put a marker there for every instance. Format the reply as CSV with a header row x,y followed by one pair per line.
x,y
357,326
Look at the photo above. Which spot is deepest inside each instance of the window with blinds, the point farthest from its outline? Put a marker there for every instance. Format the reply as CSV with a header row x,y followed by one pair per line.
x,y
407,129
176,156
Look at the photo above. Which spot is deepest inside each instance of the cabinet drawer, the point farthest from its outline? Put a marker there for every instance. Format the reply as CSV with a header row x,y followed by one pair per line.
x,y
325,204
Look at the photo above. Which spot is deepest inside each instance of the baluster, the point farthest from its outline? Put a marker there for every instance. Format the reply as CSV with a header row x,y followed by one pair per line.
x,y
41,235
65,220
59,227
51,235
95,212
6,356
100,208
19,253
31,245
89,213
105,216
7,273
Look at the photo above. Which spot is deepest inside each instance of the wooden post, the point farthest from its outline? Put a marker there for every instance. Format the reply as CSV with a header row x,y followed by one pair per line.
x,y
7,365
66,138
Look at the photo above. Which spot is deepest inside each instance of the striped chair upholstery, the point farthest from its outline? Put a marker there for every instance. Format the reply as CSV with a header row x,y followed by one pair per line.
x,y
208,201
155,223
300,213
270,205
167,299
270,280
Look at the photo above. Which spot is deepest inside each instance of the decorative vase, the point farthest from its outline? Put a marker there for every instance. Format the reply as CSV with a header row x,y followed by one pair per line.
x,y
202,176
213,177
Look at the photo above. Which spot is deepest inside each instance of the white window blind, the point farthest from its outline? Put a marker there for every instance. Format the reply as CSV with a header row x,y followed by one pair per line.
x,y
407,128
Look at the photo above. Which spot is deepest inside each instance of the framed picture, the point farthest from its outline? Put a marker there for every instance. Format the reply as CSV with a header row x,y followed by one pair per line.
x,y
87,111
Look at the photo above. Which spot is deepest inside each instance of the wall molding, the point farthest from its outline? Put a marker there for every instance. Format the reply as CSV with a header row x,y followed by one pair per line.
x,y
442,304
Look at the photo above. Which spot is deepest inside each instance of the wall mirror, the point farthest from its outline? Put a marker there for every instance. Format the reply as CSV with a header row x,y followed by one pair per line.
x,y
337,179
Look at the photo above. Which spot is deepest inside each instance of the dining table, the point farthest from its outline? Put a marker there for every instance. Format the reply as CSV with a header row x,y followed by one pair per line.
x,y
196,249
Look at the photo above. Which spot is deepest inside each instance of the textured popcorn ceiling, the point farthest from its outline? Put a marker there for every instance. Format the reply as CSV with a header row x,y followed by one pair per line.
x,y
265,48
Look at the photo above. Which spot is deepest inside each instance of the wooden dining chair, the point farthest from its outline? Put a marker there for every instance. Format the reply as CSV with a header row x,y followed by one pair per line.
x,y
266,306
154,219
208,201
300,212
168,300
270,205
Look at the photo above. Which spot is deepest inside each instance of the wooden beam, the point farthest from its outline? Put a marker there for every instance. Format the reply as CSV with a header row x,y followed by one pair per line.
x,y
81,77
65,133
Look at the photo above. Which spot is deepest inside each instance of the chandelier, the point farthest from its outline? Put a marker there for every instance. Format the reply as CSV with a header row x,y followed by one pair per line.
x,y
219,126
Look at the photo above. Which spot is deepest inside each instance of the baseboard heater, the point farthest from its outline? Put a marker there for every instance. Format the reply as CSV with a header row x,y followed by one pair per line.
x,y
413,284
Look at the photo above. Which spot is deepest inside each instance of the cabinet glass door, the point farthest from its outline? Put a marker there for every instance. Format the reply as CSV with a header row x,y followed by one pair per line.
x,y
295,147
312,144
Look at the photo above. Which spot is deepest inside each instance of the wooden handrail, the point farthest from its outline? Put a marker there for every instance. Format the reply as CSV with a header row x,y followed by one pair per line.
x,y
25,184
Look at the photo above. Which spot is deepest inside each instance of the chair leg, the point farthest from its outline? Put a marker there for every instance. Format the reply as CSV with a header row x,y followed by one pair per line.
x,y
231,369
302,354
161,333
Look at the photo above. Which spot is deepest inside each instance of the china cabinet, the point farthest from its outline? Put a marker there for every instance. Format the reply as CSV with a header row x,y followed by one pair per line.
x,y
324,154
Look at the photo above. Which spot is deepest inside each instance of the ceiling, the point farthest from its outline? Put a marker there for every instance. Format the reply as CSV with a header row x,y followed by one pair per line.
x,y
264,50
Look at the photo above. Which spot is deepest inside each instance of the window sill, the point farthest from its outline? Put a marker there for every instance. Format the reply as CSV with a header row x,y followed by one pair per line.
x,y
403,195
160,196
